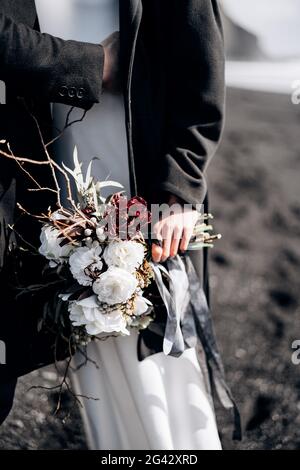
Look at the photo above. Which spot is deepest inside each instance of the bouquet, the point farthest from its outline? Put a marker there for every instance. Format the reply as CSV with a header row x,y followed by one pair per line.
x,y
99,245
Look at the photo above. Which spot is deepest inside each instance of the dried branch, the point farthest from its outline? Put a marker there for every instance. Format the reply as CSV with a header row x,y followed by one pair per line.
x,y
52,163
86,360
35,216
23,159
67,124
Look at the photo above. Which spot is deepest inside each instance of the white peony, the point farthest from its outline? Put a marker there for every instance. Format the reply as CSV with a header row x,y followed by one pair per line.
x,y
127,255
85,262
141,305
115,286
112,322
51,248
86,313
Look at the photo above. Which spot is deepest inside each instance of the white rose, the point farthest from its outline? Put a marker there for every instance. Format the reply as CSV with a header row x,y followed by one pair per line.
x,y
86,313
115,286
127,255
50,247
85,262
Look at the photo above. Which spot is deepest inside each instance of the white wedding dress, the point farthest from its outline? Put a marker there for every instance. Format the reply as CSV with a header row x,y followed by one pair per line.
x,y
160,402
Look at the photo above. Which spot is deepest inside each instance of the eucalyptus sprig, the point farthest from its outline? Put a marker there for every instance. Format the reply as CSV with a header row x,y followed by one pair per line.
x,y
202,236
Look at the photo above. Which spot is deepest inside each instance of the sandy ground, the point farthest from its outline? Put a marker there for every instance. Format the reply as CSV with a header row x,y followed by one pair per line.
x,y
254,182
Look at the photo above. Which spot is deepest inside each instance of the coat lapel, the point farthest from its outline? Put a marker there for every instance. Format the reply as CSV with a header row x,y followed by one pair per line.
x,y
130,19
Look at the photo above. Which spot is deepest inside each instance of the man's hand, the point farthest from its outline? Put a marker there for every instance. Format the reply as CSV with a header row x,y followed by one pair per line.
x,y
174,230
111,72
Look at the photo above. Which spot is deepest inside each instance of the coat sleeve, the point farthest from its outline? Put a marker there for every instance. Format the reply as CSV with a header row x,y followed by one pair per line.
x,y
196,97
50,68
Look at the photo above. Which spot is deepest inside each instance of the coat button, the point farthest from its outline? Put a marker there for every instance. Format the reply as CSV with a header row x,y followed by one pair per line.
x,y
71,92
63,91
80,93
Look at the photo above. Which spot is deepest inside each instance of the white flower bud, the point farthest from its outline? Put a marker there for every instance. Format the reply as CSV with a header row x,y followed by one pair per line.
x,y
100,234
88,232
88,242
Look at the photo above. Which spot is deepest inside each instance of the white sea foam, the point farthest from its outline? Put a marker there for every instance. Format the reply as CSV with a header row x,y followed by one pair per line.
x,y
276,77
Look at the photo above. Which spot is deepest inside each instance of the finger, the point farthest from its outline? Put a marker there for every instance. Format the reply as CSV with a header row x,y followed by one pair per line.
x,y
156,253
167,232
187,233
156,249
177,234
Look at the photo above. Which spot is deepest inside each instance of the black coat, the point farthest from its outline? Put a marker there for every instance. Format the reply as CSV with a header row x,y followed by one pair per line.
x,y
173,79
